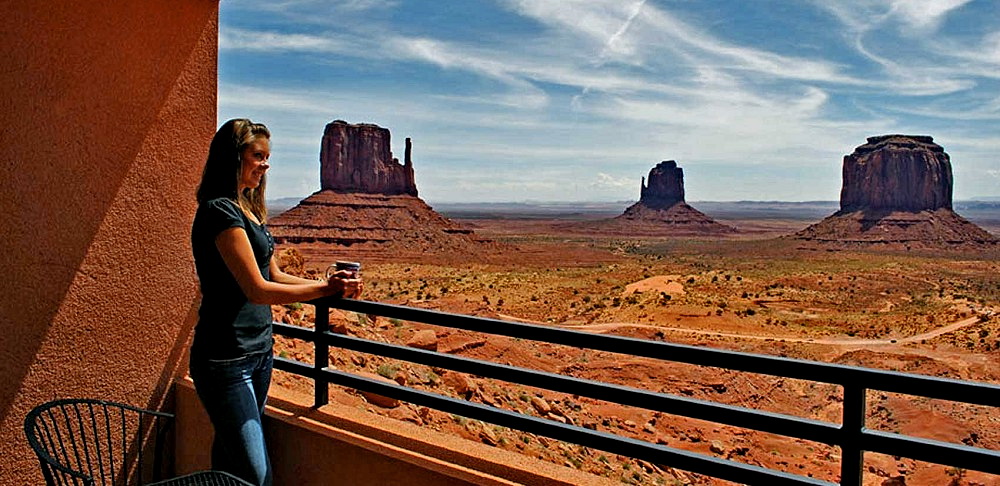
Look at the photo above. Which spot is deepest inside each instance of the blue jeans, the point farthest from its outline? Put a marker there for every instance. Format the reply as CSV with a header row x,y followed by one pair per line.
x,y
233,393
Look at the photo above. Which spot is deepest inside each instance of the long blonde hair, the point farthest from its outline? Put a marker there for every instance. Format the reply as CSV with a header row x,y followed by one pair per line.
x,y
224,167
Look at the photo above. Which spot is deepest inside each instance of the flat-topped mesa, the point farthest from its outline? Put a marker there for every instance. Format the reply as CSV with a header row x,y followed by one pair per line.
x,y
897,194
666,186
897,173
357,158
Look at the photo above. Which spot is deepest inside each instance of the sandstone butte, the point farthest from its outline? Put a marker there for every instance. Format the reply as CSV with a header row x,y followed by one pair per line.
x,y
661,210
367,207
897,192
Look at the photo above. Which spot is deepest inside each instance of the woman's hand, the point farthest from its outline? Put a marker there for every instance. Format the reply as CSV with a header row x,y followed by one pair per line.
x,y
345,284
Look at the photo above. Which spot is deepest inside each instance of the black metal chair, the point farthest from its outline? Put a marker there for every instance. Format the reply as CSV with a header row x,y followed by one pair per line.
x,y
204,478
94,442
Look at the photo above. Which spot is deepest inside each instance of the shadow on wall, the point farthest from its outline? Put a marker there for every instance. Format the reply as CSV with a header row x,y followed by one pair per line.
x,y
98,198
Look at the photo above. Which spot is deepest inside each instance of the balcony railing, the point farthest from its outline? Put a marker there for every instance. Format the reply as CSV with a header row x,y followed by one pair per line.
x,y
851,435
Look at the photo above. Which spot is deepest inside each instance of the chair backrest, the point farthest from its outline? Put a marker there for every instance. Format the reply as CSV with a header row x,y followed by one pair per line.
x,y
96,443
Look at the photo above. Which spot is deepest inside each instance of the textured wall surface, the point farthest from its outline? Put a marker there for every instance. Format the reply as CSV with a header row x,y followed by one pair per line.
x,y
108,109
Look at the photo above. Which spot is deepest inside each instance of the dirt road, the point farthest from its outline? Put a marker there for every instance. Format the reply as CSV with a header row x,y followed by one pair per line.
x,y
611,326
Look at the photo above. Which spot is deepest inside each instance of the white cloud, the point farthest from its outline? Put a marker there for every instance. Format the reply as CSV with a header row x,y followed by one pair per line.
x,y
864,15
360,5
925,14
609,87
240,39
608,181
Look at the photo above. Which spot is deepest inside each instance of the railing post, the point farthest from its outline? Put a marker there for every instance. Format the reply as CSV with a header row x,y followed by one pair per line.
x,y
321,358
852,454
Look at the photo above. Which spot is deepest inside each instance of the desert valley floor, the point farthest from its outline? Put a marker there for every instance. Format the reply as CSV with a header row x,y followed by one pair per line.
x,y
934,313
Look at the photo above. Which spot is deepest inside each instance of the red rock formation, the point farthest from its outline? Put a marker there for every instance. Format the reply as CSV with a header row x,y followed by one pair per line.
x,y
899,173
661,210
666,186
358,158
368,207
897,193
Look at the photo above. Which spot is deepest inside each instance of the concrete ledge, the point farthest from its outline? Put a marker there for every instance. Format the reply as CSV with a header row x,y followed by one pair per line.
x,y
315,446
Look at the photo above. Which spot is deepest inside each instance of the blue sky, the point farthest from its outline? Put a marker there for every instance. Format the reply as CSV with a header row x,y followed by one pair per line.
x,y
575,100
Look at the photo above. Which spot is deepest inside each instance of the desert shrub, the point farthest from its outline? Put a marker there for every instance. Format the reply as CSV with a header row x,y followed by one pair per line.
x,y
387,370
432,377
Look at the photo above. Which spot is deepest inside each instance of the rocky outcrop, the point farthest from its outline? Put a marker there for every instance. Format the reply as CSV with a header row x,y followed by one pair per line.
x,y
661,210
897,173
666,186
897,193
368,207
357,158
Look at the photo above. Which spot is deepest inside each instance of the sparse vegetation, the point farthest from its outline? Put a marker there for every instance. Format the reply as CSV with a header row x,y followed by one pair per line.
x,y
785,303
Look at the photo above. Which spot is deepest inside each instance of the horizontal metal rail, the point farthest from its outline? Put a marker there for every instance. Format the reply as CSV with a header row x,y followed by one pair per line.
x,y
851,435
705,410
890,381
615,444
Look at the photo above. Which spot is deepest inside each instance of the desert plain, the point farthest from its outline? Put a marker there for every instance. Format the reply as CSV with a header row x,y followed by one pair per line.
x,y
924,311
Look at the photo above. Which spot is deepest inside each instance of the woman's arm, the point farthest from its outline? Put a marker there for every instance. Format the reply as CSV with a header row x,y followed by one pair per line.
x,y
352,281
234,246
281,277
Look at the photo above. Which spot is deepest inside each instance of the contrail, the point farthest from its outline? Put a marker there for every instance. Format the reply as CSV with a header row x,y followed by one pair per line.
x,y
621,30
610,43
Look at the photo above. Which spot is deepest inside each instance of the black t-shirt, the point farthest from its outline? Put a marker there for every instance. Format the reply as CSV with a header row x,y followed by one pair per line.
x,y
229,325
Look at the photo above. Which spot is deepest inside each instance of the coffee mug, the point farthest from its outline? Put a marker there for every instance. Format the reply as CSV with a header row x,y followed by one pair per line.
x,y
353,267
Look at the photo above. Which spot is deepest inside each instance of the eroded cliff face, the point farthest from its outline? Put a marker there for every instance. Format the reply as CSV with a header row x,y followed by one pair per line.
x,y
665,188
897,173
357,158
897,194
367,207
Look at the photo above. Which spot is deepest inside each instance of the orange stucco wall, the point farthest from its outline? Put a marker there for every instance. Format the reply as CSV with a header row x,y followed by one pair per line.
x,y
108,108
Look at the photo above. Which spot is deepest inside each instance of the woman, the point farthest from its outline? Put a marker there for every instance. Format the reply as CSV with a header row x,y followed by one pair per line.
x,y
231,356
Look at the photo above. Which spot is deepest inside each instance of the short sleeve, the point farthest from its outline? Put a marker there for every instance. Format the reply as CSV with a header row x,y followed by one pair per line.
x,y
221,214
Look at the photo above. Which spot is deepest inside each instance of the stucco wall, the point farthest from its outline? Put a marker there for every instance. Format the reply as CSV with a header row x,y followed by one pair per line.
x,y
108,109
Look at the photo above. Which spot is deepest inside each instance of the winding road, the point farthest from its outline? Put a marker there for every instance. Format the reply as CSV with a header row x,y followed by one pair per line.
x,y
605,327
